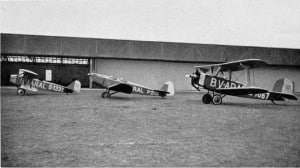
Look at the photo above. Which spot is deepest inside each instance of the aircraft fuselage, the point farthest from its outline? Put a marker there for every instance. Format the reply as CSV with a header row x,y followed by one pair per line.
x,y
212,83
36,84
124,86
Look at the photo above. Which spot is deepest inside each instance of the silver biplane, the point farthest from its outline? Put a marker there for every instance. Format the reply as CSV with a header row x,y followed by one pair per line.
x,y
26,81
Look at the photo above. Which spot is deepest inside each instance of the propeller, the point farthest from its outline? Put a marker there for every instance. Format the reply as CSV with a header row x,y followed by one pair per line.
x,y
191,75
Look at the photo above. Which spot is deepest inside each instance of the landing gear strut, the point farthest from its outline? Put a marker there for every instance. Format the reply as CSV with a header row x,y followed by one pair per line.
x,y
106,94
216,99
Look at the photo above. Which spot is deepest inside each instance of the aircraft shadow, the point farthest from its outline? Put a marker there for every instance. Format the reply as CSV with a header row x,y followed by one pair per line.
x,y
130,98
253,105
265,105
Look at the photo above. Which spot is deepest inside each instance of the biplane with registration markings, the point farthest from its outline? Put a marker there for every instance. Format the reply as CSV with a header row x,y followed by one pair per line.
x,y
218,84
116,85
26,81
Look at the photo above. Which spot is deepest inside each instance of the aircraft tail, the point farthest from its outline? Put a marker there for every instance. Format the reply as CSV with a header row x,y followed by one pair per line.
x,y
167,89
283,89
283,85
75,86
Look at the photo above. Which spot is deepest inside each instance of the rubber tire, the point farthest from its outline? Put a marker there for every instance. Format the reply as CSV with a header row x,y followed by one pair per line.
x,y
217,100
105,95
21,92
206,99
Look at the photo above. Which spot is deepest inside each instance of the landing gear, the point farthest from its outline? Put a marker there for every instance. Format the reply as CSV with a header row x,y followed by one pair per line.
x,y
163,96
206,99
21,91
217,100
105,95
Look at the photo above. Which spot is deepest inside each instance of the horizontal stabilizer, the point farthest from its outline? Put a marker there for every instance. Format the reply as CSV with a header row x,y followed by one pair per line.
x,y
241,91
279,96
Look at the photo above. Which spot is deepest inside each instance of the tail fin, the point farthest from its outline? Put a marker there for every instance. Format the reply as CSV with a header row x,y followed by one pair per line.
x,y
168,87
283,85
75,86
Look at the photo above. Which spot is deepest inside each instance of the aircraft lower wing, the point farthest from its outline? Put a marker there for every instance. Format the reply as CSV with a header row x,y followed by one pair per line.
x,y
241,91
280,96
29,88
121,87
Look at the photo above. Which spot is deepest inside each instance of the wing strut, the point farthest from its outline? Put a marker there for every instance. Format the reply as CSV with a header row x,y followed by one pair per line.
x,y
247,68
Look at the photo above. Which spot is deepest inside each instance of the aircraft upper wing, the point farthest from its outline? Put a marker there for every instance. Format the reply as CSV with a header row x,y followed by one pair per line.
x,y
28,72
233,66
241,91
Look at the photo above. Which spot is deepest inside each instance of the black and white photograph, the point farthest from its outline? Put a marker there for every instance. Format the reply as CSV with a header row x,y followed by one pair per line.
x,y
150,83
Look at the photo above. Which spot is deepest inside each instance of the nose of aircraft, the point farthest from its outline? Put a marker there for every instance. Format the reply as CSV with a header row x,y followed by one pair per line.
x,y
193,75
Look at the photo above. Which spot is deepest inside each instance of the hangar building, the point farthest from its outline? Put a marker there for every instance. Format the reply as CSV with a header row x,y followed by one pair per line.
x,y
143,62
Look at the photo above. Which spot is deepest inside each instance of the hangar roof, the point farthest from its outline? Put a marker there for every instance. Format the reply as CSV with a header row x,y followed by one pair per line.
x,y
20,44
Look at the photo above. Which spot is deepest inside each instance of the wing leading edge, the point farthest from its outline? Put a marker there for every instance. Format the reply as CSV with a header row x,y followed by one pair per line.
x,y
233,66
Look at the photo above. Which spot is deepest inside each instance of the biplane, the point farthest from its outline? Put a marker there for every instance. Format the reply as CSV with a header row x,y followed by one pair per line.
x,y
26,81
115,85
219,83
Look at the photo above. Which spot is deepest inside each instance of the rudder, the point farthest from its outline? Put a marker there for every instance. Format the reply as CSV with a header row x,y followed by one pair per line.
x,y
283,85
168,87
75,86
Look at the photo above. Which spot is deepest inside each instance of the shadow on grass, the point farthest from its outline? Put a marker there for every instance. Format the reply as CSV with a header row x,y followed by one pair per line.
x,y
263,105
132,98
252,105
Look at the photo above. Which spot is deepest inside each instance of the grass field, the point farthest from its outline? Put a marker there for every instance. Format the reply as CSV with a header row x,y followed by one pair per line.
x,y
49,129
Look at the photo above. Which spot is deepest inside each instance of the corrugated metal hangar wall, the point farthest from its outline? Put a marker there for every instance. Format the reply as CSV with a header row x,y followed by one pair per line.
x,y
153,63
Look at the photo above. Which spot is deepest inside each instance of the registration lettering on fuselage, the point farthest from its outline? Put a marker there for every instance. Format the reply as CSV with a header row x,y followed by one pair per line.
x,y
138,90
38,84
46,86
263,96
223,83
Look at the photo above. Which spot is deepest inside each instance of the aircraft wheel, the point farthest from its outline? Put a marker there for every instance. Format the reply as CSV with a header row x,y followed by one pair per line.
x,y
105,95
217,100
206,99
21,92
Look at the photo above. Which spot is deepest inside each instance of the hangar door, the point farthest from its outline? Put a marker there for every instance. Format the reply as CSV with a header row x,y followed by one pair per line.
x,y
60,70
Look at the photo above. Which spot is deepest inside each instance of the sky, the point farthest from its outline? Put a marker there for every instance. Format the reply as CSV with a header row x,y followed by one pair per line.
x,y
263,23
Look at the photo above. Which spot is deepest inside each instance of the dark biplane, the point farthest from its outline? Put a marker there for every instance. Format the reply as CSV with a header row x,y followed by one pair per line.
x,y
218,85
